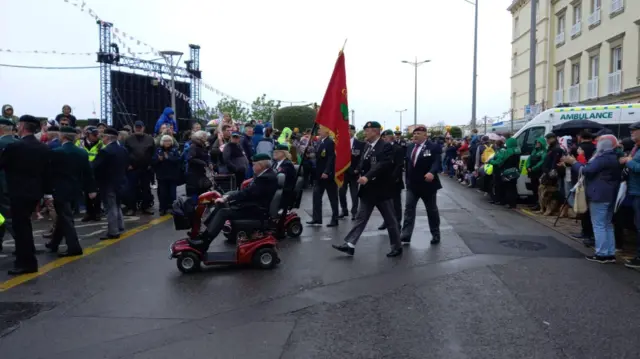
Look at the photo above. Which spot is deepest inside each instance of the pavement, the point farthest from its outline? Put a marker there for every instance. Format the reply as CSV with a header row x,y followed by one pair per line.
x,y
500,285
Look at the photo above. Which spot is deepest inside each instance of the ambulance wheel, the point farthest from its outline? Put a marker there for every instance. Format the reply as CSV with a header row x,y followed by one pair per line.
x,y
188,262
266,258
294,228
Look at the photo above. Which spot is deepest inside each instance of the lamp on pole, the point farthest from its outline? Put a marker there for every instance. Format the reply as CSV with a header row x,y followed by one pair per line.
x,y
415,65
168,57
475,65
400,112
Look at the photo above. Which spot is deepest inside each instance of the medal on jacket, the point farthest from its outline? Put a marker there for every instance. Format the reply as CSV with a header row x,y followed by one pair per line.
x,y
323,153
426,153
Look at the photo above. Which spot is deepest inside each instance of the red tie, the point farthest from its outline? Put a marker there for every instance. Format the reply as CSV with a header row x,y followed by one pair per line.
x,y
414,154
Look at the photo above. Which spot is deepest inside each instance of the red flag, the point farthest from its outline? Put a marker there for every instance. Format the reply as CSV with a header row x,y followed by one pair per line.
x,y
334,115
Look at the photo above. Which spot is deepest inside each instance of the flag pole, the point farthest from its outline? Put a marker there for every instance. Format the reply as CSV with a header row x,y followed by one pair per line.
x,y
343,45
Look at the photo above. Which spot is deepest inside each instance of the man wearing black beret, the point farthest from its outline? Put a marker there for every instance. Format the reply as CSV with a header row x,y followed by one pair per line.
x,y
27,168
325,180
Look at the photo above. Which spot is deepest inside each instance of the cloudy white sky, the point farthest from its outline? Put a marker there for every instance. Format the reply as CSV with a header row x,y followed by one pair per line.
x,y
284,48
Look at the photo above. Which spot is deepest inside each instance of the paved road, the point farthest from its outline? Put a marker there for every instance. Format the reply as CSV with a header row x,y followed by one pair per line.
x,y
499,286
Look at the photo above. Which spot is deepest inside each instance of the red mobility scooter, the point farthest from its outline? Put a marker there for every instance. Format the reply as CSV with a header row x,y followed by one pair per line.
x,y
259,248
236,230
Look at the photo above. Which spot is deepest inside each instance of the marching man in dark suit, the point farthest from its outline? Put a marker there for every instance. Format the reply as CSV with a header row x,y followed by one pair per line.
x,y
70,173
376,179
351,177
325,180
423,166
399,154
6,138
27,167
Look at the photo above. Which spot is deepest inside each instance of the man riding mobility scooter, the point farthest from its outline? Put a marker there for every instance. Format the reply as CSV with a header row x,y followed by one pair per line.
x,y
259,248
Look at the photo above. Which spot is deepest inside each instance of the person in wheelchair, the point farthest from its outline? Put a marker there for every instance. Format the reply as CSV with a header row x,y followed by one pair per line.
x,y
253,202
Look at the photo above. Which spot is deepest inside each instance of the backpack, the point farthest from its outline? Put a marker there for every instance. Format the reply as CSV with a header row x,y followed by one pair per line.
x,y
265,145
487,154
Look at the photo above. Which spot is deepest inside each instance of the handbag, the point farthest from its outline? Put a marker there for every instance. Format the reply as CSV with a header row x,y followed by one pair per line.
x,y
510,174
580,196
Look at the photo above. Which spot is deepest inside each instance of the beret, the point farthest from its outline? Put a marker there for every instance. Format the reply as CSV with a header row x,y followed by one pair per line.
x,y
260,157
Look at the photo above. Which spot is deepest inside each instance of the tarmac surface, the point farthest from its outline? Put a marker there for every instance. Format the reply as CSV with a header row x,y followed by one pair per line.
x,y
500,285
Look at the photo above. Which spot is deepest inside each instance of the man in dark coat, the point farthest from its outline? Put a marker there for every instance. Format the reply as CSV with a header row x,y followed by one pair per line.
x,y
325,180
70,173
110,169
399,153
376,179
351,177
27,168
423,165
141,148
6,138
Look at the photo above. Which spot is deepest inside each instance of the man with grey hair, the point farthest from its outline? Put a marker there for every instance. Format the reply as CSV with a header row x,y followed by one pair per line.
x,y
110,169
6,137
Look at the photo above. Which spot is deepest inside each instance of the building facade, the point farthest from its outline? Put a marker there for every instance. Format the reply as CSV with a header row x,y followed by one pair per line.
x,y
587,52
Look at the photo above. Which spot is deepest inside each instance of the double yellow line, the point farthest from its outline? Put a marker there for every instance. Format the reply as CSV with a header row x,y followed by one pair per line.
x,y
15,281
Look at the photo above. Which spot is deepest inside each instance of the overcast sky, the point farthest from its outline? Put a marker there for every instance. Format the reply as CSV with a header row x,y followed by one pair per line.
x,y
284,48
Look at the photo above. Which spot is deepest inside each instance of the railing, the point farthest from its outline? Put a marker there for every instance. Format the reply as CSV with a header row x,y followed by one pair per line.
x,y
594,18
574,93
558,97
616,5
615,82
576,29
592,88
560,38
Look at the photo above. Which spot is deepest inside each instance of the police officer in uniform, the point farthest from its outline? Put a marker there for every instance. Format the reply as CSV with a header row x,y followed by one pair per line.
x,y
351,177
27,167
6,138
71,172
376,178
325,179
399,154
423,166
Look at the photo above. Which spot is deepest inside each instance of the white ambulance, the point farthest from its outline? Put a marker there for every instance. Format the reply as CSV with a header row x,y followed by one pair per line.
x,y
617,118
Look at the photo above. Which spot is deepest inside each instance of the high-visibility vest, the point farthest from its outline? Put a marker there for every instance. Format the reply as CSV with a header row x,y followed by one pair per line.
x,y
93,151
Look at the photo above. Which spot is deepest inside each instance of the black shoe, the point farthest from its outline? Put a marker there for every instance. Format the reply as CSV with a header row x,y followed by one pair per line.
x,y
70,254
395,252
577,235
148,211
109,237
313,223
382,227
601,259
435,239
353,217
333,223
343,215
406,241
87,218
52,248
633,263
21,270
589,242
344,248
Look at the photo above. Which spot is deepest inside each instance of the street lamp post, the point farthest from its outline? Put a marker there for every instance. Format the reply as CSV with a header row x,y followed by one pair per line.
x,y
400,112
168,57
415,64
475,65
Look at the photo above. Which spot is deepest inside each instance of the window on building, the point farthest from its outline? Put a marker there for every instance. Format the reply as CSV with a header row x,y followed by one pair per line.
x,y
594,67
577,14
515,61
560,79
616,59
516,24
575,74
561,24
595,5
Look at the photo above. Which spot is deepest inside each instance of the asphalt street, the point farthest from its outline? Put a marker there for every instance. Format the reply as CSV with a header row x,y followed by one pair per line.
x,y
500,285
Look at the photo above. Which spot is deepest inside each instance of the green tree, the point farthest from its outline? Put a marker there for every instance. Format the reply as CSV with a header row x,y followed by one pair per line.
x,y
263,109
455,132
301,117
235,108
360,135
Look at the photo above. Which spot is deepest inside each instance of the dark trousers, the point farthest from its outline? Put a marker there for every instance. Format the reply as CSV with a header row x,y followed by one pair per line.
x,y
351,184
636,221
397,204
239,178
64,227
362,218
331,187
535,183
215,224
166,194
139,181
93,206
307,172
21,209
5,210
433,216
509,193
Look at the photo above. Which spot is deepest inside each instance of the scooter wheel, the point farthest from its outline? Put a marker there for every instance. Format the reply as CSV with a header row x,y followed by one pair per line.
x,y
266,258
294,229
188,263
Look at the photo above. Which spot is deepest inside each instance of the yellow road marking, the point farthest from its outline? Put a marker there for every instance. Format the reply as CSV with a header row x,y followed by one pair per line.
x,y
15,281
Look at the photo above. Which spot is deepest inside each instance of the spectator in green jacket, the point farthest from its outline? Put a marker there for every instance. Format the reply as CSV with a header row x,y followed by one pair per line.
x,y
7,114
534,167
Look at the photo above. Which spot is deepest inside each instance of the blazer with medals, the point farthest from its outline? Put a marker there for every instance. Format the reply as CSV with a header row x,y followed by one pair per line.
x,y
377,165
427,160
326,158
357,150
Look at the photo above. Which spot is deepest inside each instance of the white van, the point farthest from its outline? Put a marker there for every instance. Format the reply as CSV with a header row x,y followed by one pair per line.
x,y
617,118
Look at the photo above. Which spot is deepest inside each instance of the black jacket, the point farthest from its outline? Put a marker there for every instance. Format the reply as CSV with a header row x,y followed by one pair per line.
x,y
259,193
427,161
197,161
110,168
141,149
28,169
170,167
71,172
357,150
289,171
72,119
326,158
377,166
